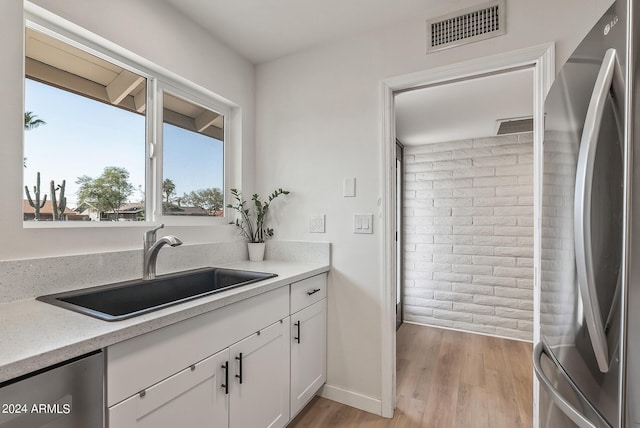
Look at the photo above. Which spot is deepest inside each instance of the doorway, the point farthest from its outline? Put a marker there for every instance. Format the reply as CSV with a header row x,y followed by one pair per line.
x,y
399,233
541,58
468,204
468,245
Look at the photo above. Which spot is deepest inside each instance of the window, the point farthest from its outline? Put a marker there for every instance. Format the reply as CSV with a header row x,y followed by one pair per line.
x,y
97,146
192,143
84,135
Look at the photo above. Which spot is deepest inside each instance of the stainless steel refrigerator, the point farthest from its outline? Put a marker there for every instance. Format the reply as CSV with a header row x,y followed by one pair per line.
x,y
585,235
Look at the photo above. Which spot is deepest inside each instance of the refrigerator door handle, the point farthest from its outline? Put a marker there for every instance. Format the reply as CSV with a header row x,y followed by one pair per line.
x,y
582,209
562,403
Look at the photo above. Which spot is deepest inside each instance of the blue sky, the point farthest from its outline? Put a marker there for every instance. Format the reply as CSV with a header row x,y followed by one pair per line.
x,y
83,136
191,160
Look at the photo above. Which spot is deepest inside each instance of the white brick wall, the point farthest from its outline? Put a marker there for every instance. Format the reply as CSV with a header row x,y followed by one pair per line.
x,y
468,219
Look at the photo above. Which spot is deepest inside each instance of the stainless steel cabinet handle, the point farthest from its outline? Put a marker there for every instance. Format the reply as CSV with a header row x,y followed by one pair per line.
x,y
582,209
566,407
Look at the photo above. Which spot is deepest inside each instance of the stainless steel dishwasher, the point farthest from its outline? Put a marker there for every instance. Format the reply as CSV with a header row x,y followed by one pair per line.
x,y
67,395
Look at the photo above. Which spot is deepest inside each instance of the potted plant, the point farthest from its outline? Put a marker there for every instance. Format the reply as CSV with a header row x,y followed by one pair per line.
x,y
253,228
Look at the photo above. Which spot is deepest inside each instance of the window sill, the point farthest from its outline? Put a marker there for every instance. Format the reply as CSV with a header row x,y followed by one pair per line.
x,y
168,222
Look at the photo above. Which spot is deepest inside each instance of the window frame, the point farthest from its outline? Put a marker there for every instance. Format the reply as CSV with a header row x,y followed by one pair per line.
x,y
158,79
157,160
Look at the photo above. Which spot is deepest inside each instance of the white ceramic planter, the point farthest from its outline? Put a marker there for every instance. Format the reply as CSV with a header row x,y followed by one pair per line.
x,y
256,251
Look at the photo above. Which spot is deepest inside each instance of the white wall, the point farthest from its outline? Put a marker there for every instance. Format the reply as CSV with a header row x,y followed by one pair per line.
x,y
468,227
148,28
319,120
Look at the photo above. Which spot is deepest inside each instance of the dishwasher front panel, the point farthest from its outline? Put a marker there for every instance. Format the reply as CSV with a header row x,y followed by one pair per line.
x,y
70,395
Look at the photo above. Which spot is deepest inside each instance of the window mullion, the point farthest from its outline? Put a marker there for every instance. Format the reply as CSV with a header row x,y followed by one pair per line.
x,y
151,149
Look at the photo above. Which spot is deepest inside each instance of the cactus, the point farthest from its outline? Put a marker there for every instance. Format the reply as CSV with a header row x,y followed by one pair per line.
x,y
58,206
37,204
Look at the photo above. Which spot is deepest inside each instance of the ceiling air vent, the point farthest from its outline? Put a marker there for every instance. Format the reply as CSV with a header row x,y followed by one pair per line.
x,y
466,26
514,126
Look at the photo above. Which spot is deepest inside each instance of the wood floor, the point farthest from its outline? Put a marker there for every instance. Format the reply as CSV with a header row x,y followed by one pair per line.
x,y
445,379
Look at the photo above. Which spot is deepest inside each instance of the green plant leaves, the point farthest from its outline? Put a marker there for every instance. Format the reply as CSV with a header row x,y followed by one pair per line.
x,y
253,228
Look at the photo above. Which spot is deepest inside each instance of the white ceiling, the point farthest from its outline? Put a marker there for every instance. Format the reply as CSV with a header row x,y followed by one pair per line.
x,y
462,110
262,30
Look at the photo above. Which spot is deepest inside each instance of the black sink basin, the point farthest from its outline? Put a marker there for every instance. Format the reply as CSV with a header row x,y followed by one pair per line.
x,y
131,298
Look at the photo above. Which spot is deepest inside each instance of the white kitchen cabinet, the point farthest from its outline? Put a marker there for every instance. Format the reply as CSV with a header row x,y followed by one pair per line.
x,y
142,361
192,398
246,385
259,395
308,353
270,376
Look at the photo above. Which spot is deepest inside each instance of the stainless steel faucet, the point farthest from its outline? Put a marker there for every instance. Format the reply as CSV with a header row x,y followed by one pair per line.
x,y
152,248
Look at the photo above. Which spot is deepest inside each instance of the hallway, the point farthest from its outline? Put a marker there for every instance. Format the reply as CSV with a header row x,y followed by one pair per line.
x,y
445,379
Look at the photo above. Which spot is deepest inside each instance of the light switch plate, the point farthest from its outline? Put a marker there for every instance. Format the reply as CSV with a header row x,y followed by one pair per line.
x,y
349,187
363,223
316,223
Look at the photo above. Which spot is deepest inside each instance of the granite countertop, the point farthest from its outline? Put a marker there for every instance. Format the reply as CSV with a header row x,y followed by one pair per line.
x,y
35,335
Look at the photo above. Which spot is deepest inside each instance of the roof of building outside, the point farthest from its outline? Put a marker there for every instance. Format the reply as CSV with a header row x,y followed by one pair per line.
x,y
46,209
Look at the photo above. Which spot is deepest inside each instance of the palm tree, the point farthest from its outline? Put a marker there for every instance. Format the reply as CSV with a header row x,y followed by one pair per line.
x,y
168,188
31,121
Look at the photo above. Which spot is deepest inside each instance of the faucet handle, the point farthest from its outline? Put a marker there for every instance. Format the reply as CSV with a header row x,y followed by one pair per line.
x,y
150,235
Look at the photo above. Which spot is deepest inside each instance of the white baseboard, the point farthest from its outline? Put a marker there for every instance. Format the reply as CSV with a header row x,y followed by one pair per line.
x,y
467,331
353,399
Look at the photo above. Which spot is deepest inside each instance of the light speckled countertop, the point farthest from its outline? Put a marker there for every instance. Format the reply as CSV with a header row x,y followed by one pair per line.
x,y
35,335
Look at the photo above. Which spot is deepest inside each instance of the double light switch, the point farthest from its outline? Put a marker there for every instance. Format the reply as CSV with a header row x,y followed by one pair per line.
x,y
363,223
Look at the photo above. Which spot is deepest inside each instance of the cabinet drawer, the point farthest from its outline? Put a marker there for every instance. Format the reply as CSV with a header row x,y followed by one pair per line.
x,y
190,398
308,291
144,360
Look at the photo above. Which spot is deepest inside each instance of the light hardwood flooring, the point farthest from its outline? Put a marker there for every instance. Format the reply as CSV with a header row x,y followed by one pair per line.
x,y
445,379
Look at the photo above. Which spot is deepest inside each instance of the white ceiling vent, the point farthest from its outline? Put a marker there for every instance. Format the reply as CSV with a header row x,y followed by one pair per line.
x,y
466,26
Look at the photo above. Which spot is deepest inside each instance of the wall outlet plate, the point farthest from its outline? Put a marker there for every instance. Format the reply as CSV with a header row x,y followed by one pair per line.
x,y
316,223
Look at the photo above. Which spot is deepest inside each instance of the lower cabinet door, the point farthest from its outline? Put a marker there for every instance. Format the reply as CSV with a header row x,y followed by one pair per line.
x,y
308,353
195,397
260,387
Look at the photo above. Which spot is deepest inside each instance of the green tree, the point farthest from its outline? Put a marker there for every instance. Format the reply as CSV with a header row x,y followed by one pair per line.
x,y
31,121
107,192
168,189
210,199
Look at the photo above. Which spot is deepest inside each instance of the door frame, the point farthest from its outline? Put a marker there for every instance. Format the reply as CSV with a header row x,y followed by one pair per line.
x,y
399,237
541,59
